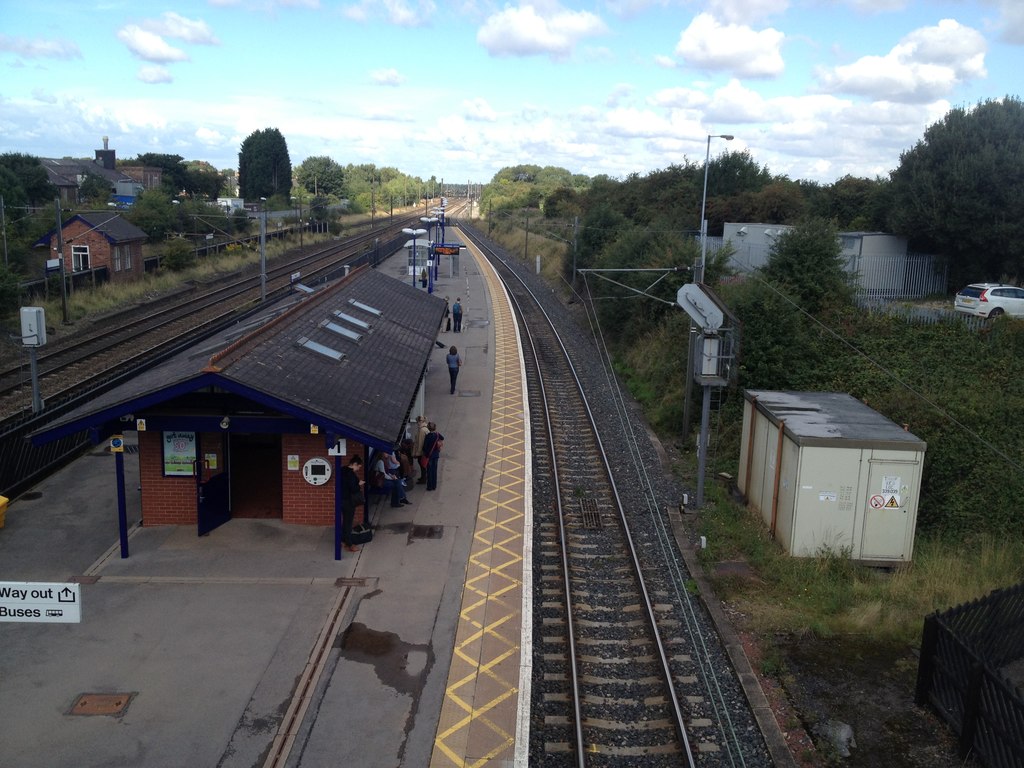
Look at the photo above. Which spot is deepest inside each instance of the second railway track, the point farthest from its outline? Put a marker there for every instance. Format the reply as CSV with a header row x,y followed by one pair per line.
x,y
626,676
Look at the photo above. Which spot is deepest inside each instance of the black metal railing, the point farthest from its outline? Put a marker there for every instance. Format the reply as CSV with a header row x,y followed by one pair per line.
x,y
962,652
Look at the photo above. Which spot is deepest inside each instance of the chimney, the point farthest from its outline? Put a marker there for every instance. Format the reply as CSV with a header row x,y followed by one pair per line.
x,y
105,158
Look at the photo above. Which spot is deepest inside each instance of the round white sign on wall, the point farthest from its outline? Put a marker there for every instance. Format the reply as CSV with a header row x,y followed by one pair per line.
x,y
316,471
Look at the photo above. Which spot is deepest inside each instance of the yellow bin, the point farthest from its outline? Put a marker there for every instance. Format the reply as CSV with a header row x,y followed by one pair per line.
x,y
3,510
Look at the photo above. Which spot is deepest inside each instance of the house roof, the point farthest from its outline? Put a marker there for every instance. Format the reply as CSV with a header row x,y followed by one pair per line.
x,y
348,358
64,172
113,226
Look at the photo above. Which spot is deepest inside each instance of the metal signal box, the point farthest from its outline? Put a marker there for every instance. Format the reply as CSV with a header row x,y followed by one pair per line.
x,y
33,326
829,475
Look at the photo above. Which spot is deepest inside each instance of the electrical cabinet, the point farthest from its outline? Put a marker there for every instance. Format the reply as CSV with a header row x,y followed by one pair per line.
x,y
827,473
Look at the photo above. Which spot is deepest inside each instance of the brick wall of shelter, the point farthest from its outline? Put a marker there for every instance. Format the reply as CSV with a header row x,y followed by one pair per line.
x,y
303,503
165,500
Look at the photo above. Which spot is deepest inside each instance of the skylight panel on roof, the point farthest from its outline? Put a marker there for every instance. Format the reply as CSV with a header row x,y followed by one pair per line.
x,y
348,333
353,320
323,350
366,307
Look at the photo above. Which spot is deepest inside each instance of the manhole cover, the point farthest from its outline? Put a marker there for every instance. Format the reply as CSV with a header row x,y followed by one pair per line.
x,y
101,704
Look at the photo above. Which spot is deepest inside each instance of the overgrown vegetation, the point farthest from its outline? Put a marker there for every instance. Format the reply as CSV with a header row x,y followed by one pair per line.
x,y
957,389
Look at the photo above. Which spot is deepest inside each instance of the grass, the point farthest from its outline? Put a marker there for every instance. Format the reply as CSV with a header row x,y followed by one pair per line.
x,y
828,595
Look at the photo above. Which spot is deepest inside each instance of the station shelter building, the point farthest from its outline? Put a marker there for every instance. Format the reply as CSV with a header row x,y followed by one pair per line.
x,y
257,420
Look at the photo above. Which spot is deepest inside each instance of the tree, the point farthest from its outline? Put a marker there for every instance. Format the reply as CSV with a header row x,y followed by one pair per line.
x,y
321,175
203,180
807,263
154,213
958,192
264,168
94,190
32,185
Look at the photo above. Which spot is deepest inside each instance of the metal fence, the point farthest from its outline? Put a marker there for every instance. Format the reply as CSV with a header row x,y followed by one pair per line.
x,y
912,276
962,653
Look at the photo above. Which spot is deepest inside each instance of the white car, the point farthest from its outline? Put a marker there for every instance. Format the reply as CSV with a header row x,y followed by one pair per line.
x,y
990,300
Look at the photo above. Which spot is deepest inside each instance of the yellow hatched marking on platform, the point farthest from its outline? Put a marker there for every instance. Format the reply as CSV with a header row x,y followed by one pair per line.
x,y
478,716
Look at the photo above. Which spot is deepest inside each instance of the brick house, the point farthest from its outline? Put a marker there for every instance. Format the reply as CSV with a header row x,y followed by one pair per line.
x,y
105,246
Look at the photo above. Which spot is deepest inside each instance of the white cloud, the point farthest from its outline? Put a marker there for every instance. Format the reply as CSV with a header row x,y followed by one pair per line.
x,y
735,48
746,11
180,28
1011,22
925,65
397,12
679,98
154,74
479,109
149,46
665,62
878,6
40,49
209,137
523,31
619,93
389,77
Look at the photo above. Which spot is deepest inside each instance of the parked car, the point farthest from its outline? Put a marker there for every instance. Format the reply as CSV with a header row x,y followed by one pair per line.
x,y
990,300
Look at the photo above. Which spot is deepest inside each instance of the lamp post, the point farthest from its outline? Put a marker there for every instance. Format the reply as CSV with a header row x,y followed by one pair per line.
x,y
298,218
698,277
414,233
430,221
263,249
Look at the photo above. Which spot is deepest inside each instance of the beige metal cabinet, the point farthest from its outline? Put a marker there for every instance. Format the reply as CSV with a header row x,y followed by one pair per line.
x,y
829,474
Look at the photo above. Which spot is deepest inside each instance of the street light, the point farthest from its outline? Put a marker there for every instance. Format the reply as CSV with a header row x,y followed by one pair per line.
x,y
699,273
414,233
698,277
263,249
298,218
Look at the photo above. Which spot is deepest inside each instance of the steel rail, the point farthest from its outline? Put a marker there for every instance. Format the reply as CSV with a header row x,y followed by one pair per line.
x,y
678,716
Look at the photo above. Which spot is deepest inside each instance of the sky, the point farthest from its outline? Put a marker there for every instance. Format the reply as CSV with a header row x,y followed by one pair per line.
x,y
812,89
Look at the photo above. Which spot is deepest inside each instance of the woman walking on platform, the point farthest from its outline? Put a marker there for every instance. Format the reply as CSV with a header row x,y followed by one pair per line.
x,y
454,363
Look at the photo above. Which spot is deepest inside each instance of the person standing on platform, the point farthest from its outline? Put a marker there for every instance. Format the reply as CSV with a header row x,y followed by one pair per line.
x,y
417,448
352,497
432,445
457,315
447,315
454,363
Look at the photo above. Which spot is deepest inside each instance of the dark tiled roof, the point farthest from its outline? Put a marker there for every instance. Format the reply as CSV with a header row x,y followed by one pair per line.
x,y
64,172
112,226
366,395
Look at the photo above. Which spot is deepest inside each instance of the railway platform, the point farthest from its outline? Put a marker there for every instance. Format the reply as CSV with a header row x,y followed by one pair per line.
x,y
252,646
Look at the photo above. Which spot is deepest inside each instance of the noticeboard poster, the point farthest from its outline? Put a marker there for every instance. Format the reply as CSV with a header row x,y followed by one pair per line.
x,y
179,453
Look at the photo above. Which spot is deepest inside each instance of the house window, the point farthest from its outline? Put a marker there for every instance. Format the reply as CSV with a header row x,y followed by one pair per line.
x,y
79,257
122,258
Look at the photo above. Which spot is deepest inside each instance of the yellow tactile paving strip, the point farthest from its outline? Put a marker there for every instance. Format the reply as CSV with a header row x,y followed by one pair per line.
x,y
480,718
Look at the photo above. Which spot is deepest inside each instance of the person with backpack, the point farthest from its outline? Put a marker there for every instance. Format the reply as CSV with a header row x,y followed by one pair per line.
x,y
457,315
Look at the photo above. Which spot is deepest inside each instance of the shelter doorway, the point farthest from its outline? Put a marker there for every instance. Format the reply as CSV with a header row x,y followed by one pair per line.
x,y
256,488
213,498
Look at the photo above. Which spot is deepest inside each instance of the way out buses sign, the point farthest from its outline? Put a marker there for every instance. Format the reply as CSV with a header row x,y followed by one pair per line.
x,y
29,601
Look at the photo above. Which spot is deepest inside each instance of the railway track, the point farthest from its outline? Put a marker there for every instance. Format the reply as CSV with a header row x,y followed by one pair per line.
x,y
129,339
626,676
119,346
